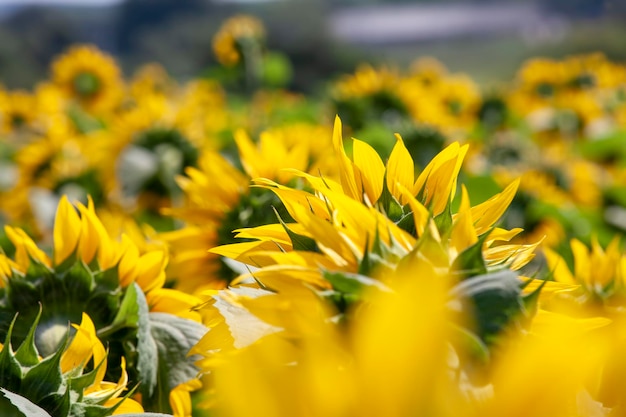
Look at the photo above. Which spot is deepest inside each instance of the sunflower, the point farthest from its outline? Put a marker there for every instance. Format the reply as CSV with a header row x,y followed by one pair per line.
x,y
340,225
400,356
18,112
115,284
235,37
65,367
599,272
153,140
61,162
213,209
89,77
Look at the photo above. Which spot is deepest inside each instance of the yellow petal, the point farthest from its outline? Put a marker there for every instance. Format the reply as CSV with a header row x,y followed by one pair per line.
x,y
400,170
486,214
463,234
151,271
370,168
67,230
558,267
346,170
582,262
128,406
81,348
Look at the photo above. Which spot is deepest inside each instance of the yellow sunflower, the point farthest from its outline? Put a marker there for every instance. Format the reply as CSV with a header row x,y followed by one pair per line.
x,y
212,209
89,77
154,140
232,38
72,362
18,112
381,209
106,278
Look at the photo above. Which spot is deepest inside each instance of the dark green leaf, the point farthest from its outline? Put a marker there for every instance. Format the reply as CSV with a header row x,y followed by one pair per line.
x,y
494,300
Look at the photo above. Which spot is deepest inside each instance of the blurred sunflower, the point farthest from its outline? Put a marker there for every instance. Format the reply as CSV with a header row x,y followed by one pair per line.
x,y
213,209
599,272
116,285
235,38
89,77
153,141
61,162
18,112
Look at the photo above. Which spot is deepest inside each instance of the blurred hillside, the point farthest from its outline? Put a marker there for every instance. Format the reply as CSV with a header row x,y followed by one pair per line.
x,y
321,37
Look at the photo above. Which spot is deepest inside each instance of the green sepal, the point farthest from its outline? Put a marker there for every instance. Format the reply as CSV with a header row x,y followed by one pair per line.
x,y
37,268
127,314
57,404
81,382
431,248
470,261
10,370
79,282
407,223
299,242
390,205
353,284
444,220
45,377
27,354
375,258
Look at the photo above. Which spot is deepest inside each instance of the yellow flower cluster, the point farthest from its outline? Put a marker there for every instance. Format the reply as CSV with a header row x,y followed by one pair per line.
x,y
229,253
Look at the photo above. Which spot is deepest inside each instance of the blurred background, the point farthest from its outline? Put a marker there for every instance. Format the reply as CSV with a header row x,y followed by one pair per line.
x,y
322,38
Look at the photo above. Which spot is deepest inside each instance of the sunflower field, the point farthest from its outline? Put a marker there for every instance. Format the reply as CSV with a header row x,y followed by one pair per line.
x,y
219,247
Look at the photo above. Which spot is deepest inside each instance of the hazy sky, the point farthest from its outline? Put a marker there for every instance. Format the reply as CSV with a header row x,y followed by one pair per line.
x,y
68,2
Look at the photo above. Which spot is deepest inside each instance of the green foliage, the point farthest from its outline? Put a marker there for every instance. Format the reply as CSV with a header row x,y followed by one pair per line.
x,y
37,387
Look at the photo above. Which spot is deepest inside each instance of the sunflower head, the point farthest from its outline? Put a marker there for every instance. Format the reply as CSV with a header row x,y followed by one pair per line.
x,y
88,76
234,36
73,371
116,282
17,111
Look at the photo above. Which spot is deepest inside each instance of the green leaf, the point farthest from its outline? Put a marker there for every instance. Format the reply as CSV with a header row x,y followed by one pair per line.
x,y
27,354
23,405
299,242
494,300
174,337
146,347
